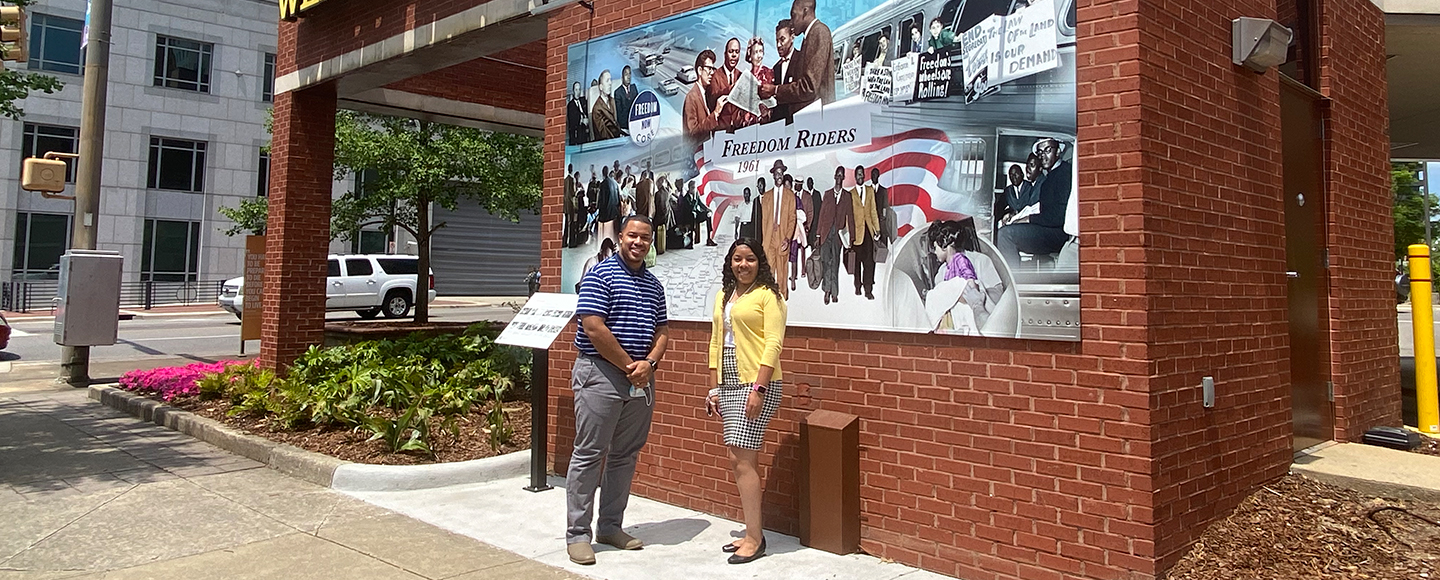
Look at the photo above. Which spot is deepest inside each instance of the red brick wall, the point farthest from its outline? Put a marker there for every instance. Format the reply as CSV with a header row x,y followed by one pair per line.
x,y
1365,363
993,459
298,229
1215,242
519,73
980,458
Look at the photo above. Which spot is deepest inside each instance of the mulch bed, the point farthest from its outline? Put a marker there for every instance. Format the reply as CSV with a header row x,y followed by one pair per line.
x,y
349,445
1428,446
1301,529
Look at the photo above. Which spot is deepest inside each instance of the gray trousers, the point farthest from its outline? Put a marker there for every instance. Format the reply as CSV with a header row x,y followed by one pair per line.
x,y
610,429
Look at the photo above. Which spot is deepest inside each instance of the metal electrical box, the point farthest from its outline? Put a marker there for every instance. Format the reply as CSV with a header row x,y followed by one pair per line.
x,y
87,307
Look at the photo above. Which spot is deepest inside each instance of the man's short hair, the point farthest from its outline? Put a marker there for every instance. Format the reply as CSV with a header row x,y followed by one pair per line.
x,y
626,69
937,21
637,218
704,55
784,24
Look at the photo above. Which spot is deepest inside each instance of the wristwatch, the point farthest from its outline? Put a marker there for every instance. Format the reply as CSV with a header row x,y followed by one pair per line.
x,y
759,388
654,364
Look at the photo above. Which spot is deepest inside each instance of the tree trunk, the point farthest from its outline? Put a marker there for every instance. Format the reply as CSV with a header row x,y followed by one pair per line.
x,y
422,276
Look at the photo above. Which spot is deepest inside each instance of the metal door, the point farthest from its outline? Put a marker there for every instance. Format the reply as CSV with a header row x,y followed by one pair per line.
x,y
1304,246
478,254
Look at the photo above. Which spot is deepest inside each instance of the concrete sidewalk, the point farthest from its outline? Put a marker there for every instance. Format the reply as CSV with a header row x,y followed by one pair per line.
x,y
1373,470
679,543
89,492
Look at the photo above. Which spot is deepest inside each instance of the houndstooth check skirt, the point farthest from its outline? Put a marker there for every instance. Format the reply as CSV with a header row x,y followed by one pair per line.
x,y
739,431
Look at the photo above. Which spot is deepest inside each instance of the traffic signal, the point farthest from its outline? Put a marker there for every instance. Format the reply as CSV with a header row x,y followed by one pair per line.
x,y
38,174
12,33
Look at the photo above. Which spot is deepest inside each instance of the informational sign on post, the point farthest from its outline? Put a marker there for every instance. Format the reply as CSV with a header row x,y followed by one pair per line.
x,y
540,321
254,285
536,326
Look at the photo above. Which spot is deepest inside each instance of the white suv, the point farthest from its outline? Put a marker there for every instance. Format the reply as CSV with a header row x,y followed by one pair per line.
x,y
370,285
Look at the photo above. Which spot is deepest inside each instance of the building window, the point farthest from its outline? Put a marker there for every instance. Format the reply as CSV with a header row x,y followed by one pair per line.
x,y
182,64
177,164
40,240
55,44
370,242
171,251
267,79
40,139
262,175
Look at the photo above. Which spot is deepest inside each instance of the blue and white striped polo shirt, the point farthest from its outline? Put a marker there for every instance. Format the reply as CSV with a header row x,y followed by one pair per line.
x,y
631,302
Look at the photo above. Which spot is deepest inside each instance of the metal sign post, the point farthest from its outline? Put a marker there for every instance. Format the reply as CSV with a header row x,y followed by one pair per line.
x,y
539,415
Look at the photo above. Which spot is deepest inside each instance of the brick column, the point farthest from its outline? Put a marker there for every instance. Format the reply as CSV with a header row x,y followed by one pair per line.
x,y
298,231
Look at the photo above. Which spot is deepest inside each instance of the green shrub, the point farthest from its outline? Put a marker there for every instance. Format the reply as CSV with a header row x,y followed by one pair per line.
x,y
390,388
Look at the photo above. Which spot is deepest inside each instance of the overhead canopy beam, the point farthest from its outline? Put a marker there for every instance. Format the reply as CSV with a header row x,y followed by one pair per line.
x,y
451,112
1412,40
486,29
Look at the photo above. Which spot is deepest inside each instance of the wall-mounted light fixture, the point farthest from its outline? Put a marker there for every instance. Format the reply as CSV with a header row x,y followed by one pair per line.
x,y
1259,43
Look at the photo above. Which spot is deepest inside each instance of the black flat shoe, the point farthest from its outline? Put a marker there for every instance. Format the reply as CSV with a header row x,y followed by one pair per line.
x,y
738,559
730,548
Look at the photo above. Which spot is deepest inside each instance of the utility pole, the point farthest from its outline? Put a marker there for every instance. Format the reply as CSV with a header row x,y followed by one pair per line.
x,y
75,360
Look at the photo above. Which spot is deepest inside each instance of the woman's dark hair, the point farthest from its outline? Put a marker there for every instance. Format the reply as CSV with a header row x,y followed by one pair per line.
x,y
763,276
607,247
956,235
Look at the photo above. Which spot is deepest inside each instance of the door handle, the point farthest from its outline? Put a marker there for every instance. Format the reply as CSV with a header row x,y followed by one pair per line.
x,y
370,282
1292,274
336,284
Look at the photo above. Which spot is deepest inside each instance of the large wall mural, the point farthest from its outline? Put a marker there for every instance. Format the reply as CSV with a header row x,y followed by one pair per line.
x,y
908,165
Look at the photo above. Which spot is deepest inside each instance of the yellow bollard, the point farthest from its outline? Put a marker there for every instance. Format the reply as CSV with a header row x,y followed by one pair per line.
x,y
1422,322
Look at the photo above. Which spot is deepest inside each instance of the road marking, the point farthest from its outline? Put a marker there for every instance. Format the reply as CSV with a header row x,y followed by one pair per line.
x,y
15,332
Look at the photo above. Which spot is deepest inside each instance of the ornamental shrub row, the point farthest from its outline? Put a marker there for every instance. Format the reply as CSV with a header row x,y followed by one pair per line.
x,y
390,388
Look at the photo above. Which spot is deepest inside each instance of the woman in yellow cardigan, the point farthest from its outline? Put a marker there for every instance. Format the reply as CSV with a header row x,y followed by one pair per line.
x,y
745,340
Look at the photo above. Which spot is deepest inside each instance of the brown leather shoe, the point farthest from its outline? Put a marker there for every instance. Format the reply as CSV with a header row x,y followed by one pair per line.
x,y
581,553
621,540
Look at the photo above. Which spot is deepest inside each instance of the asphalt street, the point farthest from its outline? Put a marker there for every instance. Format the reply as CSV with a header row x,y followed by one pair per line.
x,y
200,335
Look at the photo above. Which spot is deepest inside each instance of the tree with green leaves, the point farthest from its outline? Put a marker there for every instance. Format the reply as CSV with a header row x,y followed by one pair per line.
x,y
1409,205
249,216
418,164
16,85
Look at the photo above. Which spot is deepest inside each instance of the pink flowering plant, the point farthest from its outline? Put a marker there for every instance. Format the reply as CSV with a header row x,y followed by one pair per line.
x,y
171,382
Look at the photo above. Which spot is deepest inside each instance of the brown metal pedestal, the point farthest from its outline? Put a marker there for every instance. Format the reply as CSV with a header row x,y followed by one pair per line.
x,y
830,482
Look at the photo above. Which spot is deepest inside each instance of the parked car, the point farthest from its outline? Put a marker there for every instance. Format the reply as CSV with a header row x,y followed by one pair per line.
x,y
371,285
4,332
670,88
687,74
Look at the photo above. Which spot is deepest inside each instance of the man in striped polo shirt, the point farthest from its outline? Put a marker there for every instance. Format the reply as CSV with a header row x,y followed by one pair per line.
x,y
621,337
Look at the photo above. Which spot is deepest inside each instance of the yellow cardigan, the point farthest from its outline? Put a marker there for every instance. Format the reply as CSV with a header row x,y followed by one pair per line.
x,y
758,319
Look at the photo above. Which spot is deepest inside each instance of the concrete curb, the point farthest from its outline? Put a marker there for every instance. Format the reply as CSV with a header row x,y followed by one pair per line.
x,y
364,477
310,466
